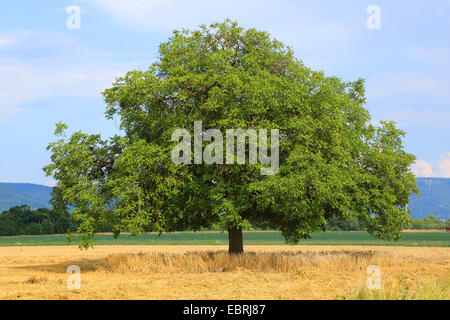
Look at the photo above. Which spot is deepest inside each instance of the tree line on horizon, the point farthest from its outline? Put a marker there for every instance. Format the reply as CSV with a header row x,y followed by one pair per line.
x,y
23,220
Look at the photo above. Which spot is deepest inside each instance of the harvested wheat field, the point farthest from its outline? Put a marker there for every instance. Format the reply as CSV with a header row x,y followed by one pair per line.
x,y
208,272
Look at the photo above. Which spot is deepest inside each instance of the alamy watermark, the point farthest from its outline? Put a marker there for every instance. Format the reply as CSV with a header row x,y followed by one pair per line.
x,y
213,152
373,22
73,282
74,20
374,280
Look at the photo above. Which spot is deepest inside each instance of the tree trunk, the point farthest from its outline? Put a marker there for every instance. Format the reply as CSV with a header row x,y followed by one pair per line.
x,y
235,241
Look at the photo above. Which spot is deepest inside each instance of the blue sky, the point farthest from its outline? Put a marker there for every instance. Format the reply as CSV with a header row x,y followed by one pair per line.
x,y
50,73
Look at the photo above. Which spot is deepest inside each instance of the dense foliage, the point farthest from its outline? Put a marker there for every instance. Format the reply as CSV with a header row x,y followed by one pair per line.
x,y
353,224
333,161
430,222
22,220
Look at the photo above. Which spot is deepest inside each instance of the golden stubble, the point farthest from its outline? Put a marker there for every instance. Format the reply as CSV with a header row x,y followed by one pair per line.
x,y
208,272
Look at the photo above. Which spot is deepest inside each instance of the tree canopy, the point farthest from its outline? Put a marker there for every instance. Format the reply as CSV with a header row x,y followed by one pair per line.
x,y
333,162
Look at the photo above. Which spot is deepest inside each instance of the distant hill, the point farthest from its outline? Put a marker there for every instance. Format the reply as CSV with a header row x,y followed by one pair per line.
x,y
14,194
434,198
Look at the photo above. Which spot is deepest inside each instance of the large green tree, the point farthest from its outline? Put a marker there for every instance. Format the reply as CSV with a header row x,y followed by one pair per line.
x,y
332,161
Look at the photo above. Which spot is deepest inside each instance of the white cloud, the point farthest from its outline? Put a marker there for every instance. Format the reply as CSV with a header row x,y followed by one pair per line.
x,y
4,42
38,65
444,166
292,22
166,15
430,117
410,86
50,183
144,13
411,99
419,94
437,57
422,169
